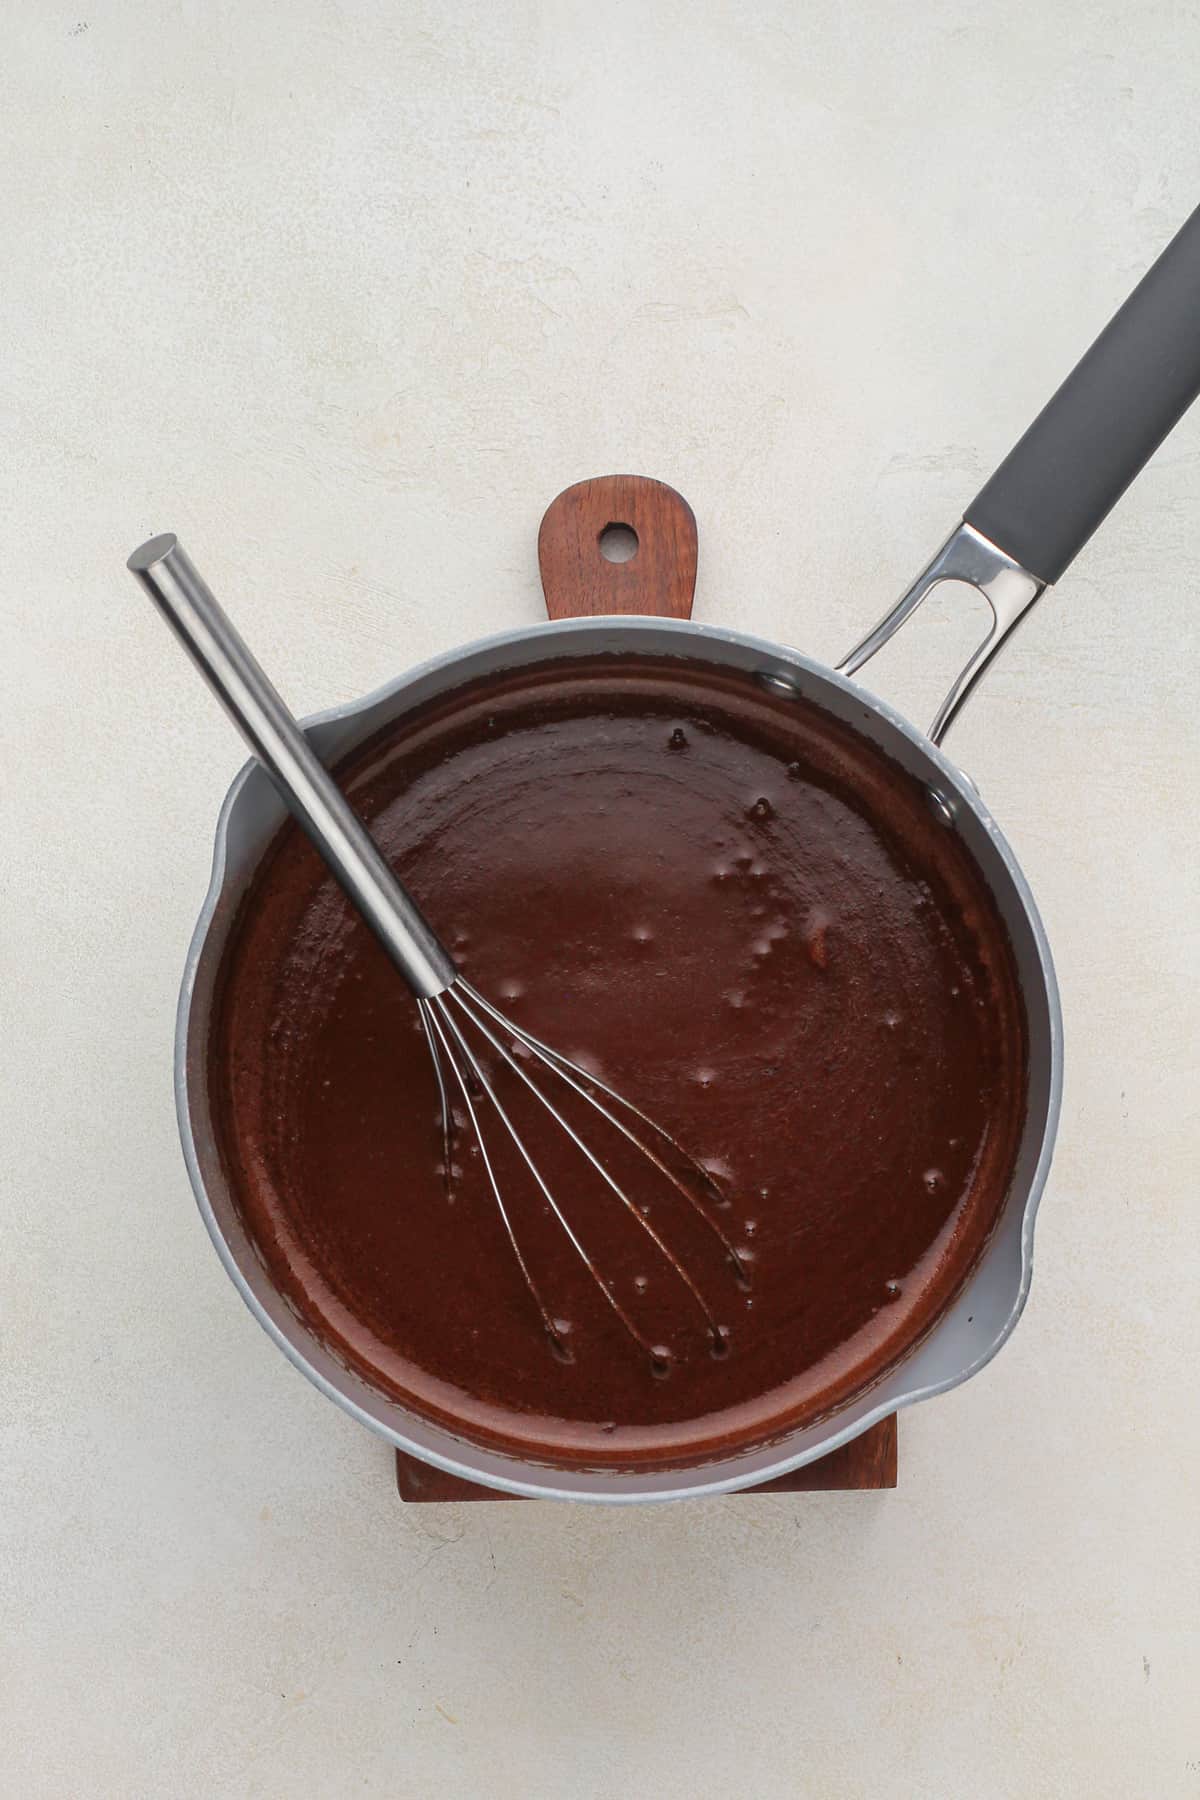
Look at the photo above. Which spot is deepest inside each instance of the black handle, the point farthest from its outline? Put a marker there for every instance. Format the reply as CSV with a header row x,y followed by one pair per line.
x,y
1105,422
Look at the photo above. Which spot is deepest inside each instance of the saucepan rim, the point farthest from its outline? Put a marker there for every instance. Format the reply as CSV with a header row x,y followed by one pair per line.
x,y
511,1473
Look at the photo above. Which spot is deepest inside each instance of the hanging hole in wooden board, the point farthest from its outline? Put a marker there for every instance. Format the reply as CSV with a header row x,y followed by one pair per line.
x,y
618,543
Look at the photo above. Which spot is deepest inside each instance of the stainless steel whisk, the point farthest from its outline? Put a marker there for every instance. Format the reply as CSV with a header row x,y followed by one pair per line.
x,y
450,1008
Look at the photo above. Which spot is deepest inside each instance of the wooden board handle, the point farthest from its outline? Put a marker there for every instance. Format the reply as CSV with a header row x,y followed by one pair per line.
x,y
578,577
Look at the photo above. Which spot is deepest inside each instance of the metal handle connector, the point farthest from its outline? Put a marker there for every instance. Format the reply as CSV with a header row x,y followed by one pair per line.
x,y
1009,590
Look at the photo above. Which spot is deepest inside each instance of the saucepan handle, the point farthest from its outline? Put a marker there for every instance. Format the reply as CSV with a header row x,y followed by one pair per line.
x,y
1057,484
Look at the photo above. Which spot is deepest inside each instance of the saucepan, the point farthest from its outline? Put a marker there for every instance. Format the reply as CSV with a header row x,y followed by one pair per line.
x,y
1015,538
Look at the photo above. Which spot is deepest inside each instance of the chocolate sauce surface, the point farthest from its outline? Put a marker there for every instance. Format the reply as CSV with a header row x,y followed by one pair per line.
x,y
742,917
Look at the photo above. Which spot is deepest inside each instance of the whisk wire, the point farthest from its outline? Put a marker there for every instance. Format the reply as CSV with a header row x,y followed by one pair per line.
x,y
443,1097
443,1015
463,995
582,1081
434,1024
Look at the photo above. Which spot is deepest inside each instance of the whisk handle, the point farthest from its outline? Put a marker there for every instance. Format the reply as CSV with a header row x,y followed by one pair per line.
x,y
215,646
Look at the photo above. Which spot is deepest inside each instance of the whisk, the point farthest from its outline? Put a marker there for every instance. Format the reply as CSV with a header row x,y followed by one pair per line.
x,y
458,1021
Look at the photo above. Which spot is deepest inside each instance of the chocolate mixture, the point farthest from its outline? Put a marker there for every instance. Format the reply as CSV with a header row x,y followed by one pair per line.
x,y
736,913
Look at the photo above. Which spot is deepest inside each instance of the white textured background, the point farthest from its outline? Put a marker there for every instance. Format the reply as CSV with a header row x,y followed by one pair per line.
x,y
346,293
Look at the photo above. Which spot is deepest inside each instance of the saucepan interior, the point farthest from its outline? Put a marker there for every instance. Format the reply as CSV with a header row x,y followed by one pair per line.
x,y
966,1335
